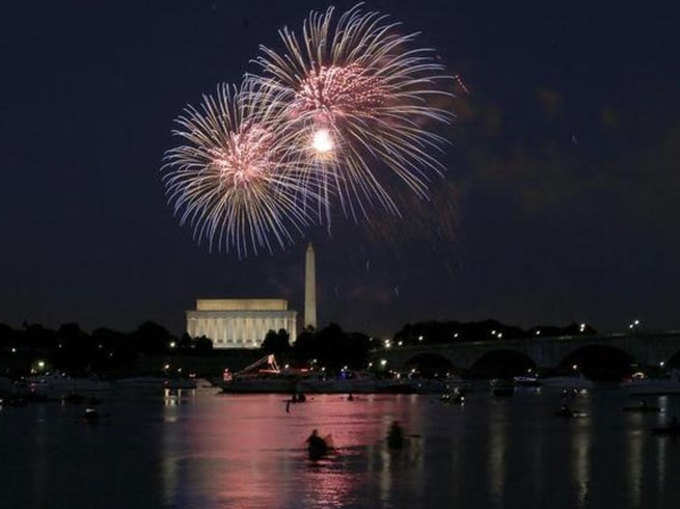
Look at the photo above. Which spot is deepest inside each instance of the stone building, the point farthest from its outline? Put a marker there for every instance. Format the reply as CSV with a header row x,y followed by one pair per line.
x,y
240,323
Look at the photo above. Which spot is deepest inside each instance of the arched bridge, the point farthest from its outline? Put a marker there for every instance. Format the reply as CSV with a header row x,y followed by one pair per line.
x,y
647,349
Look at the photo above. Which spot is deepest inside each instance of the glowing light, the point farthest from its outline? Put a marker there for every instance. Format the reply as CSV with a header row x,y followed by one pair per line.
x,y
14,350
538,332
420,338
41,364
173,344
322,141
662,363
400,343
574,367
166,367
383,362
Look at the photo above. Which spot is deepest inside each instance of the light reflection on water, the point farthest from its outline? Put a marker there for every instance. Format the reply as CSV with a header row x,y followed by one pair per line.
x,y
197,450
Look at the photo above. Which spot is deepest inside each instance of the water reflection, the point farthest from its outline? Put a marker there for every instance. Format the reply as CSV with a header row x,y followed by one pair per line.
x,y
497,445
198,450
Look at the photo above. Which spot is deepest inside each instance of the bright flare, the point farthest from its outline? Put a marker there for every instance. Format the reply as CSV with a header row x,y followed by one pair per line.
x,y
322,141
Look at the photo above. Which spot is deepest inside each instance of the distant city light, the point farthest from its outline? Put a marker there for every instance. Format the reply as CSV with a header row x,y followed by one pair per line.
x,y
500,335
662,363
575,367
323,368
100,346
383,362
455,335
14,350
420,338
538,332
493,332
400,343
173,344
370,364
41,364
286,366
166,367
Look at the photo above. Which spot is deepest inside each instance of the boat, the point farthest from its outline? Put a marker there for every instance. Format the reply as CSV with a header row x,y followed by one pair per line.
x,y
59,385
262,376
527,381
668,385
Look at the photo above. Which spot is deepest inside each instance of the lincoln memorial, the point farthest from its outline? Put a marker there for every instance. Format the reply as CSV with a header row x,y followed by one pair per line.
x,y
240,323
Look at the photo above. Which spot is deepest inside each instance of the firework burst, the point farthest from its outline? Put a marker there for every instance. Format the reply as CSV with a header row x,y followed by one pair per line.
x,y
238,179
358,93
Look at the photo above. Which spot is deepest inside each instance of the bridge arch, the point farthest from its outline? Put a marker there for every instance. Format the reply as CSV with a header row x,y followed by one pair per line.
x,y
501,363
673,362
599,362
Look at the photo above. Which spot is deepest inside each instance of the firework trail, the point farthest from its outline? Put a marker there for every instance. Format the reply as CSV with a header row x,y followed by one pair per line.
x,y
238,179
358,95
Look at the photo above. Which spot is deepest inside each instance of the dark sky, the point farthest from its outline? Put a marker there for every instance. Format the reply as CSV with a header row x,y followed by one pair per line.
x,y
561,201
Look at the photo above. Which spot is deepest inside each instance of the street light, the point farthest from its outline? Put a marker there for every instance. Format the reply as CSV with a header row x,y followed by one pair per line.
x,y
383,362
661,364
420,338
173,344
41,364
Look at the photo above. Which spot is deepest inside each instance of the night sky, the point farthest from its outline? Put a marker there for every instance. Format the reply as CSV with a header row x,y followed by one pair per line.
x,y
561,200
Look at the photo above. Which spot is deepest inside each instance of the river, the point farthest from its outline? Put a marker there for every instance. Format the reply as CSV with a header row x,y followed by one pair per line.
x,y
208,451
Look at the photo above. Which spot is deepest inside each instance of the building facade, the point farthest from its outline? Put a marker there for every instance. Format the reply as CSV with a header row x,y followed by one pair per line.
x,y
240,323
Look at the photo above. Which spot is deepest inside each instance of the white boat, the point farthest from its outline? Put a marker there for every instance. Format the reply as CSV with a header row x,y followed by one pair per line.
x,y
59,385
667,385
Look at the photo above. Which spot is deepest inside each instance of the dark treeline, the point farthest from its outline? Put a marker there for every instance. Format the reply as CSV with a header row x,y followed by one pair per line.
x,y
71,348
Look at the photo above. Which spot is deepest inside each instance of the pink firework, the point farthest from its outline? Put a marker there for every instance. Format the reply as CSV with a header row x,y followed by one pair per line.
x,y
361,98
236,178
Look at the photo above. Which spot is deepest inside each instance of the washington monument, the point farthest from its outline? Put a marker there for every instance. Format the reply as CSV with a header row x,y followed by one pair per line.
x,y
310,288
